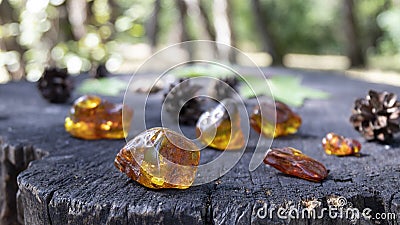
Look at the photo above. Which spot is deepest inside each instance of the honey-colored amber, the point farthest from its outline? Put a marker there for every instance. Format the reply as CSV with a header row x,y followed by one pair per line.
x,y
286,121
293,162
335,144
217,129
159,158
93,118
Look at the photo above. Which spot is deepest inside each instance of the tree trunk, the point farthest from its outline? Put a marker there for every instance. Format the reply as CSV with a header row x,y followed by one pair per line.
x,y
265,34
64,26
353,45
2,43
152,25
223,29
77,14
116,10
207,21
76,182
182,7
229,13
184,35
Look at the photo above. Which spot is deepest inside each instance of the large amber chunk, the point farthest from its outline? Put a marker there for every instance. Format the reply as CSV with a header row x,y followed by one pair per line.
x,y
159,158
286,122
293,162
219,129
335,144
93,118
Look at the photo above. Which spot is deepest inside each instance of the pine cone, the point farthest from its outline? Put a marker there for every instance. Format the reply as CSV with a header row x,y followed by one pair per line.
x,y
100,71
55,85
190,111
221,91
377,117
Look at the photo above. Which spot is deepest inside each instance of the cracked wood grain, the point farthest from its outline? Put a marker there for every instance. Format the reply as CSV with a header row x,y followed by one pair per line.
x,y
72,181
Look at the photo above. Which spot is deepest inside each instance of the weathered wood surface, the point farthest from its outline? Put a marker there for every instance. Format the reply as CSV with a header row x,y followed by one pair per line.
x,y
74,181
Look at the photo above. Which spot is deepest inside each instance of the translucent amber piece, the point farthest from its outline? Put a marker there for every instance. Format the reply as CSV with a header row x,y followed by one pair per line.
x,y
93,118
217,129
293,162
262,120
159,158
338,145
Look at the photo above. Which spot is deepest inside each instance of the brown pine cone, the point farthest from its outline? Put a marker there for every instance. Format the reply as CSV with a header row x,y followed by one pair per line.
x,y
55,85
190,111
221,91
100,71
377,117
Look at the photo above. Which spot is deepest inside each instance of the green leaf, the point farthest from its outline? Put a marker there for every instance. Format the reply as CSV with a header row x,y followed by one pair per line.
x,y
287,89
253,86
200,71
102,86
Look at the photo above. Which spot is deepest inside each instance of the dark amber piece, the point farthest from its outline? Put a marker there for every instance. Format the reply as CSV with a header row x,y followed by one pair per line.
x,y
293,162
93,118
159,158
217,129
338,145
286,122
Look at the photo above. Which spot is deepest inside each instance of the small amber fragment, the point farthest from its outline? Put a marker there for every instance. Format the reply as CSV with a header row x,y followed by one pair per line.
x,y
217,129
338,145
293,162
93,118
262,119
159,158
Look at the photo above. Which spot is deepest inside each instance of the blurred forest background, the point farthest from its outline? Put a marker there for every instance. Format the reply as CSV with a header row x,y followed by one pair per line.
x,y
81,34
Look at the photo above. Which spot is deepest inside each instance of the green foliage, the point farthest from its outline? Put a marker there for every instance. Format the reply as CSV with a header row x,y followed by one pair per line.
x,y
169,15
389,21
103,86
287,89
370,33
244,25
40,33
201,71
302,26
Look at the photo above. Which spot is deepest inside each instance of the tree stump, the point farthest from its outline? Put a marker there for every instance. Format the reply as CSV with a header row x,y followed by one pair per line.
x,y
49,177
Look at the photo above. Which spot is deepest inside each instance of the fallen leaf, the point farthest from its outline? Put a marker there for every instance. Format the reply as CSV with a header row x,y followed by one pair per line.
x,y
103,86
287,89
202,71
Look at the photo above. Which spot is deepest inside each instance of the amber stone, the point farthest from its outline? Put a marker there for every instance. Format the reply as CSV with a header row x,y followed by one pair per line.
x,y
286,121
293,162
91,117
219,129
159,158
335,144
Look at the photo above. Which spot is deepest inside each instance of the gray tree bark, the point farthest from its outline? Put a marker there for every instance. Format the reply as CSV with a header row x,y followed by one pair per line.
x,y
77,183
